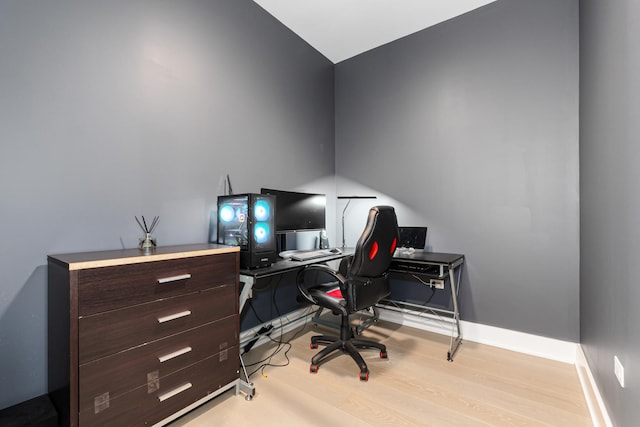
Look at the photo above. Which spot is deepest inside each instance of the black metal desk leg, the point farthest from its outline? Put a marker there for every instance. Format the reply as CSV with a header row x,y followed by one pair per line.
x,y
247,387
457,340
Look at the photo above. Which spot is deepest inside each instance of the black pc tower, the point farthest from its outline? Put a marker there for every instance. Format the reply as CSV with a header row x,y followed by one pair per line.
x,y
248,221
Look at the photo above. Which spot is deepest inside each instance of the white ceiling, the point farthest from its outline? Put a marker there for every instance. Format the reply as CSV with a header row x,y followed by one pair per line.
x,y
341,29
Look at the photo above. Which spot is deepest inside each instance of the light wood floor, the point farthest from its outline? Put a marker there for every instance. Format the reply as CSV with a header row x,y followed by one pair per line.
x,y
416,386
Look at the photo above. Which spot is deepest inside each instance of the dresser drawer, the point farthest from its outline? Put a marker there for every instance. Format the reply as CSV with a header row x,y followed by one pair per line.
x,y
144,365
108,288
177,390
107,333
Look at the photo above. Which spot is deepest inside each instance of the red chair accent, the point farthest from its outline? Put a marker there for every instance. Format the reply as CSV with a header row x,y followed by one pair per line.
x,y
336,293
373,251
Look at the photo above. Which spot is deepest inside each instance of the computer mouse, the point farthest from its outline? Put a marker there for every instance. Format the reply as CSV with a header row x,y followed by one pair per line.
x,y
335,251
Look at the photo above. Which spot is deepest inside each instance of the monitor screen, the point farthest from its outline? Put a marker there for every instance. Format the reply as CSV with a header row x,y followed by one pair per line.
x,y
412,237
298,211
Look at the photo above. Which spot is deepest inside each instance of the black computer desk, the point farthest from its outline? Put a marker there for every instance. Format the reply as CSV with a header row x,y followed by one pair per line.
x,y
433,267
249,277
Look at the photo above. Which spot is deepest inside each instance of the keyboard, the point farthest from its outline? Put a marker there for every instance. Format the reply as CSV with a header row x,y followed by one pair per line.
x,y
312,254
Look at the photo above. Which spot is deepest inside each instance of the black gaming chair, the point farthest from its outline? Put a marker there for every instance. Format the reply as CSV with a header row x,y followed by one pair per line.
x,y
359,284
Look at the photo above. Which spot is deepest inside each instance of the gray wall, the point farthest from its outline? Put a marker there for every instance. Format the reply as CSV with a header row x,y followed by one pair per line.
x,y
471,128
110,109
609,199
114,109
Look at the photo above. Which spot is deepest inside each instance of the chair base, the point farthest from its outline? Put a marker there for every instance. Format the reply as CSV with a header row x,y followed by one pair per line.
x,y
349,346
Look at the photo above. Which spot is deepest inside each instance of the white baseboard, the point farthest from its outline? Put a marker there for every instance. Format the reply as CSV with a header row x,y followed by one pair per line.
x,y
598,411
549,348
535,345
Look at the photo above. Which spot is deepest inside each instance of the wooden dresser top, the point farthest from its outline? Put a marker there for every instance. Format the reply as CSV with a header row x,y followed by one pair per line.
x,y
83,260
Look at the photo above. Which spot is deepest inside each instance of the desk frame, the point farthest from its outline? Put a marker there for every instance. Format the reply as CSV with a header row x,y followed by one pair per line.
x,y
447,265
249,277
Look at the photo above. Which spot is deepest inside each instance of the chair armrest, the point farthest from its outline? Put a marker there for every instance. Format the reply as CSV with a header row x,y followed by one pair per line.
x,y
335,279
326,269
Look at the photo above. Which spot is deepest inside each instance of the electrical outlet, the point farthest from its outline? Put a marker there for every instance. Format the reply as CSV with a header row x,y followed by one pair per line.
x,y
436,283
618,369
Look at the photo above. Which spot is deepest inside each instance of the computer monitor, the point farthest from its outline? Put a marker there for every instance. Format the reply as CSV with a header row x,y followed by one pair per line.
x,y
298,211
412,237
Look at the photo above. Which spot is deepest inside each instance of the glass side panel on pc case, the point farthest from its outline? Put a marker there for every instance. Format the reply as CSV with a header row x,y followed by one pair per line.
x,y
233,220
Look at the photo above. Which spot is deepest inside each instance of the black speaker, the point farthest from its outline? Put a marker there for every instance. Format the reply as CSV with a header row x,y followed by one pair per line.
x,y
324,240
248,221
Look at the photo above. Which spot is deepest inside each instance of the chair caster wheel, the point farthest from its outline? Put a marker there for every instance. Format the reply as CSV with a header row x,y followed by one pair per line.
x,y
313,369
384,355
364,376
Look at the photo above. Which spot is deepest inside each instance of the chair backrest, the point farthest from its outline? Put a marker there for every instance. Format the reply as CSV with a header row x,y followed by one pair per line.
x,y
376,245
367,281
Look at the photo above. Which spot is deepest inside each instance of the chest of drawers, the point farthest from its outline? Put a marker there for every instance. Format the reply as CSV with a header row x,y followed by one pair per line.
x,y
135,338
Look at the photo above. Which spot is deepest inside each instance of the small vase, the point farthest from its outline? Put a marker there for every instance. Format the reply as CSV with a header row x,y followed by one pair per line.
x,y
147,243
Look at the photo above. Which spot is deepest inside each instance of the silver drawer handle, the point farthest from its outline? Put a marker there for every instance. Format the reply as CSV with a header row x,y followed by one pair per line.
x,y
174,278
177,390
174,316
174,354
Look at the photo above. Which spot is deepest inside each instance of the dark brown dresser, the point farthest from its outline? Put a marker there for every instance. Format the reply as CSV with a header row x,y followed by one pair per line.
x,y
137,338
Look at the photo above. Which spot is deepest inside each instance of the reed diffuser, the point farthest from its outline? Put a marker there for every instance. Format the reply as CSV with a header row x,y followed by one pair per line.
x,y
148,242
